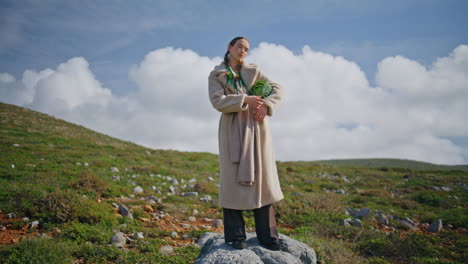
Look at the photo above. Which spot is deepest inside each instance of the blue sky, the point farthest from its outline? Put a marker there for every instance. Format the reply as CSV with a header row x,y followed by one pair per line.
x,y
113,37
39,34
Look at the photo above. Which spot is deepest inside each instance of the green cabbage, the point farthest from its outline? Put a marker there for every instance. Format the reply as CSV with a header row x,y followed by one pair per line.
x,y
261,88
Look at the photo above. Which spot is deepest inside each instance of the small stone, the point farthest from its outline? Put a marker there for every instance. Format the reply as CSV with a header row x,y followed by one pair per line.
x,y
209,220
174,234
125,212
192,181
86,164
187,235
78,164
356,222
217,223
115,205
184,225
34,224
436,226
195,212
408,225
11,215
192,219
154,188
345,222
26,219
116,178
211,179
147,152
12,166
118,240
137,190
446,189
114,169
382,219
363,213
166,250
341,191
16,145
172,189
138,235
185,194
175,182
2,228
449,226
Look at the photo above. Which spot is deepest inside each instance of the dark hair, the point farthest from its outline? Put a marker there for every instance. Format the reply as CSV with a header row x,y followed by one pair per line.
x,y
232,43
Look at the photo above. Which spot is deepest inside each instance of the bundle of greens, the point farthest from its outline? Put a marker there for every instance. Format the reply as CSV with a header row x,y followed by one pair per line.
x,y
261,88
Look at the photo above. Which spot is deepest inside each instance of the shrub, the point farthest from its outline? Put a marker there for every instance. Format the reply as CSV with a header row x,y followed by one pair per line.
x,y
89,182
427,198
64,206
81,233
37,251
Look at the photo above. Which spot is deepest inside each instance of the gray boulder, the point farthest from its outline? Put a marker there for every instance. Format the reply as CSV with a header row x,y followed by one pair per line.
x,y
363,213
216,251
436,226
118,240
125,212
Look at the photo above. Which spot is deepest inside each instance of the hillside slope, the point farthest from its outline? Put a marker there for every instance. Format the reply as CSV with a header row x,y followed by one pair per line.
x,y
72,180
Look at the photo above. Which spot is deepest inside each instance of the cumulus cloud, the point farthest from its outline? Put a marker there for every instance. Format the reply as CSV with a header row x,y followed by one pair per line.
x,y
329,110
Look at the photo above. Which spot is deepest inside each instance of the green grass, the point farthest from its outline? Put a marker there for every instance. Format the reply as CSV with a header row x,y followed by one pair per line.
x,y
47,184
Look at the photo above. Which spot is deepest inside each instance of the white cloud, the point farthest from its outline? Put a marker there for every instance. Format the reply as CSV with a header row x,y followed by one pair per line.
x,y
329,111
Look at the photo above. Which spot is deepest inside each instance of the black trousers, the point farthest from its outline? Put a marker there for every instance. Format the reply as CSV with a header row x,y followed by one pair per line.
x,y
265,224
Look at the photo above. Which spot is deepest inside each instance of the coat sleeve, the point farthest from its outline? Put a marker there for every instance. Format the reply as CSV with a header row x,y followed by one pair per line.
x,y
221,102
273,100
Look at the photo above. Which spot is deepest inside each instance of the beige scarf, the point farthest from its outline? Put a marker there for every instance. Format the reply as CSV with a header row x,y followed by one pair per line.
x,y
243,139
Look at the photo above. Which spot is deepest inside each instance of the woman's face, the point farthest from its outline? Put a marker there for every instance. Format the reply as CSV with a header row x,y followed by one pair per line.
x,y
240,49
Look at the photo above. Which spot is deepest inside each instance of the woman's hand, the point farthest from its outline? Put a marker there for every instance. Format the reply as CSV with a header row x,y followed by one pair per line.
x,y
254,102
260,113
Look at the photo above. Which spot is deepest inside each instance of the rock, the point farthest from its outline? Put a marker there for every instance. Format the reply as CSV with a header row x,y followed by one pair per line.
x,y
408,225
382,219
147,152
118,240
26,219
351,211
78,164
116,178
436,226
214,250
166,250
2,228
11,215
195,212
125,212
86,164
16,145
363,213
446,189
189,194
12,166
138,235
34,224
192,181
137,190
114,169
345,222
184,225
174,234
217,223
211,179
206,198
175,182
356,222
192,219
172,189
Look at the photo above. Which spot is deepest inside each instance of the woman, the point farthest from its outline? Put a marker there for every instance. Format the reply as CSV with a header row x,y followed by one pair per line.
x,y
248,174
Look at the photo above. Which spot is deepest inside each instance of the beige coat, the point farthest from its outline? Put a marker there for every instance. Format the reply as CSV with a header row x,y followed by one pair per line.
x,y
266,188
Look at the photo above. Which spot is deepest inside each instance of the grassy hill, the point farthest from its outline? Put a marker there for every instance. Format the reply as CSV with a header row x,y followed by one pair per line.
x,y
60,175
393,163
